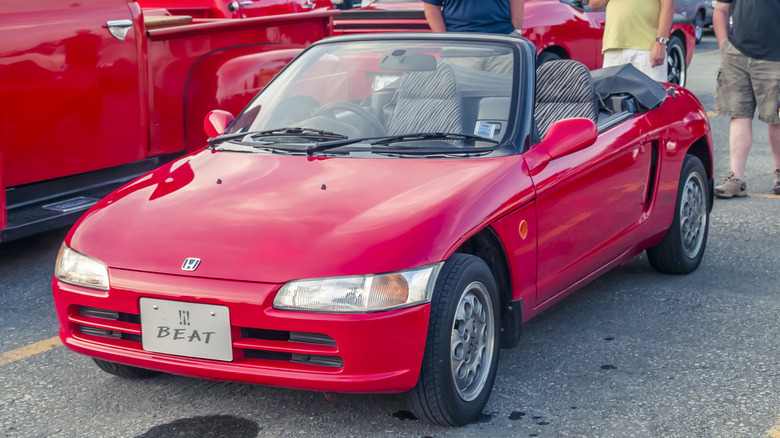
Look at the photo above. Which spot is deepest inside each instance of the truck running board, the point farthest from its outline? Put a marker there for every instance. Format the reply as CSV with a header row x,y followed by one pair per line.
x,y
47,205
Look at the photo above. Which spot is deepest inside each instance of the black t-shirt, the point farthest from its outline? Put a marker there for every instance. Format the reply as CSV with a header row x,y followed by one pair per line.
x,y
755,30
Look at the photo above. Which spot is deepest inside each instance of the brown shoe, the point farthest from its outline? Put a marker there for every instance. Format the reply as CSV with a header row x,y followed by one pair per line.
x,y
732,187
777,182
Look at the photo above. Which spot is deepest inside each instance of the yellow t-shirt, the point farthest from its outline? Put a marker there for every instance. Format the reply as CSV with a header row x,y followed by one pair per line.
x,y
631,24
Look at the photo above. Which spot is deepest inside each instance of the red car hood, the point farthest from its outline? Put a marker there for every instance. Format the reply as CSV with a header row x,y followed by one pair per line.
x,y
271,219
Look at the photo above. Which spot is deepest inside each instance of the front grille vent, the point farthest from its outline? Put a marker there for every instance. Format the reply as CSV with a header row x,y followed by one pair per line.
x,y
109,324
87,330
298,347
98,313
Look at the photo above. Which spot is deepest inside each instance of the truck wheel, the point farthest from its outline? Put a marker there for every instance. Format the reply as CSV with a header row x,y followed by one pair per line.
x,y
546,57
682,248
461,349
675,62
125,371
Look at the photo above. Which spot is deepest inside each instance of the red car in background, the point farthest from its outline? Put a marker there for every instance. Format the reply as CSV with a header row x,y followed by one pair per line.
x,y
235,8
384,216
560,29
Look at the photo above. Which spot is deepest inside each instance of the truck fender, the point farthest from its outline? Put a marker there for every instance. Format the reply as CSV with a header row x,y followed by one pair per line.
x,y
228,80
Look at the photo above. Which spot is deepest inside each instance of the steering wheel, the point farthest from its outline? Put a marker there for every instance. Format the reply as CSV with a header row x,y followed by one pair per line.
x,y
292,110
327,110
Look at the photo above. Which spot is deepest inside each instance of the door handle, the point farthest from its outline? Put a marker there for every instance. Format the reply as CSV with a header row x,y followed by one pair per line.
x,y
119,28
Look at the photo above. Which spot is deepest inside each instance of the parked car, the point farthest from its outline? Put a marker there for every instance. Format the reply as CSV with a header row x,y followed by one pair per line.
x,y
565,29
384,215
698,11
234,8
96,93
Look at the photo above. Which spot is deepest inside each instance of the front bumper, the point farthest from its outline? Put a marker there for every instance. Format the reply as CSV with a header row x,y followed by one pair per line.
x,y
375,352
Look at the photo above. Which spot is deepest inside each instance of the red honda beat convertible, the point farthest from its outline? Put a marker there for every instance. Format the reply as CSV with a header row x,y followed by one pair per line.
x,y
384,215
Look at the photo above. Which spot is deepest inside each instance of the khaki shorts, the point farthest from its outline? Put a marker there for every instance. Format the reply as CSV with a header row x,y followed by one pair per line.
x,y
745,83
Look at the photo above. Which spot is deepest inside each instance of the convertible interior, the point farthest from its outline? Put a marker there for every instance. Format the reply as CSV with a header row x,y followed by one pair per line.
x,y
405,91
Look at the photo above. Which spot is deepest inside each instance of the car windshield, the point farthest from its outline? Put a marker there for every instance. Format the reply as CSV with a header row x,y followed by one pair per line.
x,y
408,97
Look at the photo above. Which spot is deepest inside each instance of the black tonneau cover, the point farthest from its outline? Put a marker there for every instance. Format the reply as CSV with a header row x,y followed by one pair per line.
x,y
629,80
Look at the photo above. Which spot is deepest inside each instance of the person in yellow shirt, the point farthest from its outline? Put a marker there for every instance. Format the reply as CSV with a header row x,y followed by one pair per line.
x,y
637,32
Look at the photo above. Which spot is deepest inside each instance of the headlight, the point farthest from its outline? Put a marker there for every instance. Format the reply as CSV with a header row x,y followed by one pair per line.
x,y
75,268
359,294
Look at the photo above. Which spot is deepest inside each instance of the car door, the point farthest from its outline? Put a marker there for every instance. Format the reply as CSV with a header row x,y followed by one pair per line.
x,y
587,204
70,89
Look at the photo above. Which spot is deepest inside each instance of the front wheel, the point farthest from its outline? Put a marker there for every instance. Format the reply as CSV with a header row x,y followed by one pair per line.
x,y
461,349
681,250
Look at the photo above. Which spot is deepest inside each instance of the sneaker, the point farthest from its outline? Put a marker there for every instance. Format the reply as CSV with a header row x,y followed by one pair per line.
x,y
777,182
732,187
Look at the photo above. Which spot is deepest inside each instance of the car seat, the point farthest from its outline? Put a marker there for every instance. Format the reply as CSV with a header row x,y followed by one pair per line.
x,y
564,90
427,101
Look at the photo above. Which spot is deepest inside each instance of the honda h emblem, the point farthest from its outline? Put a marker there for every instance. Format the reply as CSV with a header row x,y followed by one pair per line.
x,y
190,264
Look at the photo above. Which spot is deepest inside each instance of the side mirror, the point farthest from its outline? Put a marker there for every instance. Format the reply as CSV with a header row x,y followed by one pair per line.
x,y
564,137
216,122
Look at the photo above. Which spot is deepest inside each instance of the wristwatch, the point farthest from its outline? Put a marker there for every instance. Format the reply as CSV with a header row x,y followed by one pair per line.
x,y
663,40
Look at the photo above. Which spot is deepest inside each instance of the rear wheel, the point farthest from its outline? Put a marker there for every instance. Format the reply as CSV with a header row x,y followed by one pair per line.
x,y
125,371
461,349
675,57
681,250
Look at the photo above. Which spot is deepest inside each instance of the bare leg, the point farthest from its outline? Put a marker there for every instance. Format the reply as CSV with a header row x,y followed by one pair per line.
x,y
740,142
774,143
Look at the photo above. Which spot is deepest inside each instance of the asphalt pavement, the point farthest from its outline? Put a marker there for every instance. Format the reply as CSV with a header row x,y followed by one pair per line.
x,y
634,354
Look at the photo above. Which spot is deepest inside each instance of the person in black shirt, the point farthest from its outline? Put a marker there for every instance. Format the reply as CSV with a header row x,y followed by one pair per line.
x,y
748,78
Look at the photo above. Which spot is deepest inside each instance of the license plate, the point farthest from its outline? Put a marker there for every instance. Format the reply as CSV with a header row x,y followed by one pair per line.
x,y
186,329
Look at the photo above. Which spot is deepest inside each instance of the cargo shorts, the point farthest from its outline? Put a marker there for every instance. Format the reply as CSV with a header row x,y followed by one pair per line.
x,y
745,83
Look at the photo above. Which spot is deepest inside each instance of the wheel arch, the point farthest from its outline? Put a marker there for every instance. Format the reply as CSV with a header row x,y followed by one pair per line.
x,y
701,150
558,50
486,245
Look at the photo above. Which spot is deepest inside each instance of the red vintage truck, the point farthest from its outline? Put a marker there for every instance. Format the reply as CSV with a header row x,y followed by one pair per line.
x,y
235,8
97,92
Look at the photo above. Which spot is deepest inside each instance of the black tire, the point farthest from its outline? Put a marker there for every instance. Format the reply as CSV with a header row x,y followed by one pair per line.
x,y
452,390
546,57
698,26
681,250
675,61
125,371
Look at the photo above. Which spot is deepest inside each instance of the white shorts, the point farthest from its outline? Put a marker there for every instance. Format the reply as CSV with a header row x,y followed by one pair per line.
x,y
639,58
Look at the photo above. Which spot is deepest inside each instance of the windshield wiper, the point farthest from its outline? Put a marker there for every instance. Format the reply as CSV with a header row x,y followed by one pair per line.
x,y
295,132
384,141
432,136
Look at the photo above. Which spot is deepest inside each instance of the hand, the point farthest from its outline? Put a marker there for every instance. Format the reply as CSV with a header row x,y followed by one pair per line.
x,y
658,55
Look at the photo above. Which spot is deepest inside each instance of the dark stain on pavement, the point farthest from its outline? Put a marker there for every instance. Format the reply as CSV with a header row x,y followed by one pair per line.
x,y
404,415
205,427
608,367
516,415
